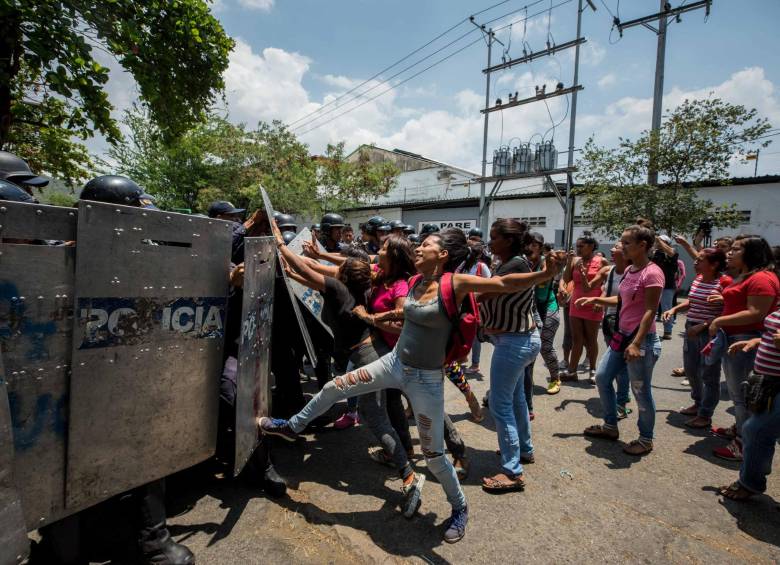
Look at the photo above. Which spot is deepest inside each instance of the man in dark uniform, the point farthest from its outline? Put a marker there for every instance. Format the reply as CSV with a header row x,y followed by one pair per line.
x,y
286,223
475,235
427,230
154,539
370,236
223,210
331,225
397,227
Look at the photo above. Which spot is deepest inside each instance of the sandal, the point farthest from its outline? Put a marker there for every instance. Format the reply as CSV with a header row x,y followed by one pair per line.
x,y
678,372
503,483
699,423
736,492
602,432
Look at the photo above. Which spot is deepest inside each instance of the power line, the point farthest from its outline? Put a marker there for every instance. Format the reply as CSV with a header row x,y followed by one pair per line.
x,y
398,62
305,125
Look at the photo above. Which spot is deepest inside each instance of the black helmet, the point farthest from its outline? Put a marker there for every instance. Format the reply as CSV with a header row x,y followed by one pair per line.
x,y
16,170
373,223
12,193
414,238
475,232
315,227
408,229
286,221
114,189
331,220
397,224
384,227
428,229
288,236
277,215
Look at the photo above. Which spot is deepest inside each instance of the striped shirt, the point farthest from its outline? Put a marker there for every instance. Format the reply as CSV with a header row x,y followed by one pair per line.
x,y
768,356
700,311
510,312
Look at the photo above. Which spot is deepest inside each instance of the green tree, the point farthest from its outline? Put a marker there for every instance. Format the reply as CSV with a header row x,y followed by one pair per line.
x,y
175,50
218,160
347,183
695,144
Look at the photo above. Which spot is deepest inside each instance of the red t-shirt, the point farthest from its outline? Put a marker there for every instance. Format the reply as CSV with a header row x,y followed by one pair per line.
x,y
762,283
383,300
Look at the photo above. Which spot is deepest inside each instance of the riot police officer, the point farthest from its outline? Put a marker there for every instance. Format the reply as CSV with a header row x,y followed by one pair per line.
x,y
475,235
397,227
16,170
12,193
408,230
155,541
370,236
286,223
331,225
427,230
315,230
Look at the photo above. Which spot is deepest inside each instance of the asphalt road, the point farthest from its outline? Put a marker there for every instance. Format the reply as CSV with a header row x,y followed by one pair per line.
x,y
585,500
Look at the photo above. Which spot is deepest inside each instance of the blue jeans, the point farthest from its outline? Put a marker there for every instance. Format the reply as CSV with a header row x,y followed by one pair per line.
x,y
425,390
667,300
737,368
623,396
704,379
511,354
640,373
476,351
759,435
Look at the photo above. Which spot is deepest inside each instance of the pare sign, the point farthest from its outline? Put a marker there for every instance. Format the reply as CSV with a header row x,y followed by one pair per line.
x,y
110,322
464,225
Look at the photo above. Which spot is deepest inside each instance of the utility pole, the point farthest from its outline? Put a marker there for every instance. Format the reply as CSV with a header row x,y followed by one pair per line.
x,y
665,12
482,219
568,228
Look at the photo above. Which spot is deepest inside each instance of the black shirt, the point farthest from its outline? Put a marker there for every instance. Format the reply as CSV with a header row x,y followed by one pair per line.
x,y
668,266
348,330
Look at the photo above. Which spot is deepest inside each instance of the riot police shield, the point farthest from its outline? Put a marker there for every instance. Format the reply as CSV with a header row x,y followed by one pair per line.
x,y
36,328
14,544
151,293
311,299
269,210
253,386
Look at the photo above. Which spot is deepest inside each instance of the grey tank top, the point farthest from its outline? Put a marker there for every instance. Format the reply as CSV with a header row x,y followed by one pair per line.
x,y
425,333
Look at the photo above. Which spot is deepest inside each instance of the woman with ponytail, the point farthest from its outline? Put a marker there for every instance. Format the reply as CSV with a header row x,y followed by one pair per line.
x,y
415,366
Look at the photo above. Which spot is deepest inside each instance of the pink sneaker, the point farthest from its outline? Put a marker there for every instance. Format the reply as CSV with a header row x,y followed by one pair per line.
x,y
347,420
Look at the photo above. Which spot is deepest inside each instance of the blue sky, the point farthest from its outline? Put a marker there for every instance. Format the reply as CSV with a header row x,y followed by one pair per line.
x,y
293,56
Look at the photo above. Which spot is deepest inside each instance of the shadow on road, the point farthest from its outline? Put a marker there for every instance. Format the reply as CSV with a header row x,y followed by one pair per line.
x,y
758,517
703,449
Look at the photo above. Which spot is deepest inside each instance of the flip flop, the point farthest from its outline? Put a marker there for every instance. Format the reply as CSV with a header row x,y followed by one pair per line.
x,y
502,483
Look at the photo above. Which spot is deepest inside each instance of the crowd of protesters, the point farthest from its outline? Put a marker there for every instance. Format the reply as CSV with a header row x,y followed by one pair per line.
x,y
526,294
406,310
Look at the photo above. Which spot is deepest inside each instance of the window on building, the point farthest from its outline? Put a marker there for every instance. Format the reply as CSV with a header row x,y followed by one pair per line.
x,y
535,221
582,220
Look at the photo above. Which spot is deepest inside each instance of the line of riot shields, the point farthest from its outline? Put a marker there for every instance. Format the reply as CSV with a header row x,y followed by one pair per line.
x,y
112,324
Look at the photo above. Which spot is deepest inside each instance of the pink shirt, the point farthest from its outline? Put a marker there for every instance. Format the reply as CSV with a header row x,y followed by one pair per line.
x,y
632,295
383,300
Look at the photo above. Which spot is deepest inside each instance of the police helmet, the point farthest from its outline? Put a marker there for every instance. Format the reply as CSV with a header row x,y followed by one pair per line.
x,y
475,232
286,221
115,189
315,227
414,238
428,229
16,170
12,193
373,223
408,229
277,215
331,220
384,228
288,236
397,224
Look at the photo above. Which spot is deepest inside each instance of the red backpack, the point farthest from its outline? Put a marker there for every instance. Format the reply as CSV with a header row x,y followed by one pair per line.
x,y
464,321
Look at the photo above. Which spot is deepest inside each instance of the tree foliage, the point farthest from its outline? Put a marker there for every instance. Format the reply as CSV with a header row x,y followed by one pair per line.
x,y
175,50
218,160
345,183
696,144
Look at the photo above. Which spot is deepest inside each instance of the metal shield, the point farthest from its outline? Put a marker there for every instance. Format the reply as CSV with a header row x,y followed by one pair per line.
x,y
254,348
151,293
36,328
14,545
310,353
311,299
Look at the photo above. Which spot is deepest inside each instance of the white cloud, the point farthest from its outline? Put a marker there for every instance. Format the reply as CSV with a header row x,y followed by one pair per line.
x,y
592,53
264,5
607,80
